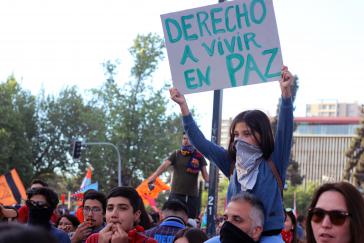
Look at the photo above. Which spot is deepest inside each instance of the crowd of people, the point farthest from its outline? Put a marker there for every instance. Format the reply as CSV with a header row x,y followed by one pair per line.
x,y
255,163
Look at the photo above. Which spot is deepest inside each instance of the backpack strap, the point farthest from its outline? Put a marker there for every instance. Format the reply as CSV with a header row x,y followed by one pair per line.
x,y
276,175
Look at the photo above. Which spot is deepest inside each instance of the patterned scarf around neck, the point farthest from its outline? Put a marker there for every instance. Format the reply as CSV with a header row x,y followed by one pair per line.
x,y
194,165
248,158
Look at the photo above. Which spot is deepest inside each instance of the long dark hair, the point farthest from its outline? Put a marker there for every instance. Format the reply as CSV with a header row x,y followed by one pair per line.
x,y
259,123
193,235
354,202
290,214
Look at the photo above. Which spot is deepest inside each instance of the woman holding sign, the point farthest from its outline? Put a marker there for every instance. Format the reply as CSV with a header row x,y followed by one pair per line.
x,y
254,161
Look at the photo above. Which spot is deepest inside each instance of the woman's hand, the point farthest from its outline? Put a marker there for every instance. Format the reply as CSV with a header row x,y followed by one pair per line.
x,y
179,98
286,82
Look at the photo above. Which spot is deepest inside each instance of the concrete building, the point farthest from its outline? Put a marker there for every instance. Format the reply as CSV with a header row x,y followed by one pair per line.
x,y
333,109
320,144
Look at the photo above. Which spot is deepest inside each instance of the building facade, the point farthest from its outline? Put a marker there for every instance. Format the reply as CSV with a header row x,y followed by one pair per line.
x,y
333,109
319,147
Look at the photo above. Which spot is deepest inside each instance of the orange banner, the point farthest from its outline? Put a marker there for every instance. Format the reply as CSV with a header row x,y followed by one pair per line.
x,y
148,195
12,190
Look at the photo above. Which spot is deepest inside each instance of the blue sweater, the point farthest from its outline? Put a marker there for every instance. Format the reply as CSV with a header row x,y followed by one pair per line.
x,y
266,187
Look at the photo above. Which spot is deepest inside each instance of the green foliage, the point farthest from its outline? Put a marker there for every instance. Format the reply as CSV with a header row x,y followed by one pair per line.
x,y
136,115
17,128
355,162
222,190
303,196
36,132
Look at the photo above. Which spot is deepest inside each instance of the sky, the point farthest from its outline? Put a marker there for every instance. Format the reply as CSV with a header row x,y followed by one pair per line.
x,y
53,44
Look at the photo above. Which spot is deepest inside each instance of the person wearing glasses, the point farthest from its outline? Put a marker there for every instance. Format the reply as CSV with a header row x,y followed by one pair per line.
x,y
336,215
94,205
41,203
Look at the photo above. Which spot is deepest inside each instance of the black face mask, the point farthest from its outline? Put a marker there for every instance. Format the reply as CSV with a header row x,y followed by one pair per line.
x,y
39,215
229,233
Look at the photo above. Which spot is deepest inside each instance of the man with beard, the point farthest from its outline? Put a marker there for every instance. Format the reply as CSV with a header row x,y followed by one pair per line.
x,y
94,204
244,218
187,162
122,214
41,203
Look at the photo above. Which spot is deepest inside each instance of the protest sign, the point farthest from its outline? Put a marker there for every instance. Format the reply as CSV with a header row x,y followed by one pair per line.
x,y
223,45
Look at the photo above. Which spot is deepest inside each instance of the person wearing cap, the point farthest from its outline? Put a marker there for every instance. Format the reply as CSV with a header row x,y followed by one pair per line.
x,y
174,218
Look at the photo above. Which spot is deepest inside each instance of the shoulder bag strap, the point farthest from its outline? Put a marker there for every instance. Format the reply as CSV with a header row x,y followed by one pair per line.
x,y
276,175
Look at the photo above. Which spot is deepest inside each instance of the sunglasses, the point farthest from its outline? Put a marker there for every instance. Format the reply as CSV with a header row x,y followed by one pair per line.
x,y
337,217
38,204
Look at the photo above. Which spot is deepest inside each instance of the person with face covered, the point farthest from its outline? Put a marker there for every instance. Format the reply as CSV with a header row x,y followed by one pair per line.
x,y
254,161
243,220
122,213
41,203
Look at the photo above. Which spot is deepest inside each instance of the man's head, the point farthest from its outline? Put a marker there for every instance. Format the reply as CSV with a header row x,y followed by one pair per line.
x,y
94,204
41,202
123,207
37,183
175,208
185,140
245,212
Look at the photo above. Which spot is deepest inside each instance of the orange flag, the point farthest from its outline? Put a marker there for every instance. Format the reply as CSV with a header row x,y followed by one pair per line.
x,y
12,190
148,195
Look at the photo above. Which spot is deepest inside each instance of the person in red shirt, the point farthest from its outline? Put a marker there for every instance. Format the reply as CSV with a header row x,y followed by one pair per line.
x,y
23,212
122,213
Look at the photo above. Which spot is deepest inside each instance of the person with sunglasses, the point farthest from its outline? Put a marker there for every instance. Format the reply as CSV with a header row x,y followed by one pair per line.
x,y
336,215
41,203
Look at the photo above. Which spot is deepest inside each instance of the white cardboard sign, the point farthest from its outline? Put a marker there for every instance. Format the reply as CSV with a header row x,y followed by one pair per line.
x,y
223,45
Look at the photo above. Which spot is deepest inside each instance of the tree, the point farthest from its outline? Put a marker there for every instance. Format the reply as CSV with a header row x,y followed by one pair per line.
x,y
293,173
60,120
303,196
355,162
17,128
136,116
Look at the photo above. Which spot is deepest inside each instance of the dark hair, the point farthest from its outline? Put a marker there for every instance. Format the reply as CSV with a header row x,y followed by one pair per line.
x,y
354,203
193,235
95,195
50,195
19,233
259,123
175,205
73,219
300,218
39,181
127,192
135,201
289,213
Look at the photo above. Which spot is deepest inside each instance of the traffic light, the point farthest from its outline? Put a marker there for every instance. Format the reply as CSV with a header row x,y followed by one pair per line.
x,y
76,149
